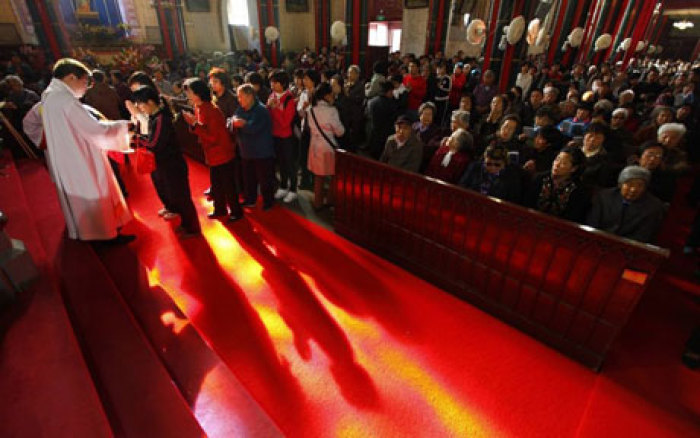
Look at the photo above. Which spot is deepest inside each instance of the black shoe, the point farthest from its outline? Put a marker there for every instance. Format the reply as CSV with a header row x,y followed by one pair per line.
x,y
216,214
235,217
249,204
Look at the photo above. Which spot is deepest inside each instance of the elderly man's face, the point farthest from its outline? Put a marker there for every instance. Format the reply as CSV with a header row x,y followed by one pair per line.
x,y
670,139
246,100
632,189
617,120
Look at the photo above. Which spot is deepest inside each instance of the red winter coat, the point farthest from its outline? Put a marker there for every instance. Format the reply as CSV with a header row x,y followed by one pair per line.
x,y
282,112
213,135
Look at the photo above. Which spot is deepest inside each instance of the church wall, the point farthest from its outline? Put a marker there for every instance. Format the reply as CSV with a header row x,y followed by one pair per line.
x,y
206,31
413,32
147,20
297,29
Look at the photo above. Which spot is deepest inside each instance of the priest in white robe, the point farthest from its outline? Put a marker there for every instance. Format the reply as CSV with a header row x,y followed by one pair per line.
x,y
77,146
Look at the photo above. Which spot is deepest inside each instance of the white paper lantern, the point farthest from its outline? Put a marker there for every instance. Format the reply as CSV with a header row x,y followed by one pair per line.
x,y
338,31
272,34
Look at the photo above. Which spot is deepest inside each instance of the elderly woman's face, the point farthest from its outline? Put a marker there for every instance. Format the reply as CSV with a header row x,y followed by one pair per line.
x,y
426,116
632,189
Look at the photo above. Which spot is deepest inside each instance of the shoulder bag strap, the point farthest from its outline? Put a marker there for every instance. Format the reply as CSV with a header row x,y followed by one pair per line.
x,y
321,130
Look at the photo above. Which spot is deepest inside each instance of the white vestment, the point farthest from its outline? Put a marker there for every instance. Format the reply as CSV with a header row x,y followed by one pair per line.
x,y
77,146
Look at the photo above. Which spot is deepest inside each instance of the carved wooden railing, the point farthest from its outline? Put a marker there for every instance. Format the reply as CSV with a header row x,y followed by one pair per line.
x,y
567,285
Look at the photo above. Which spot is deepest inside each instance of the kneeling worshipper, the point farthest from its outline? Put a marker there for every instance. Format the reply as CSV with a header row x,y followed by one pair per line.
x,y
90,198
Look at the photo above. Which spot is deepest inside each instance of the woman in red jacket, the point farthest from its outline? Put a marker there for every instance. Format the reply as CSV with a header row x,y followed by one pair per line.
x,y
209,124
451,159
282,106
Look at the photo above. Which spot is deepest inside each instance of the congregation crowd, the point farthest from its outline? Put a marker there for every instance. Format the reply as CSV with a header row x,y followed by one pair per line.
x,y
595,144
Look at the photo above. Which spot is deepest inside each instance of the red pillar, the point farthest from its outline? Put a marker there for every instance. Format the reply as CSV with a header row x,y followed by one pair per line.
x,y
574,23
616,29
493,25
273,45
165,31
175,17
610,10
660,30
506,65
557,31
48,30
438,29
639,30
589,29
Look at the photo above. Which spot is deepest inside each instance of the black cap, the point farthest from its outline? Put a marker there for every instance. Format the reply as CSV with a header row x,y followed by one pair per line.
x,y
403,120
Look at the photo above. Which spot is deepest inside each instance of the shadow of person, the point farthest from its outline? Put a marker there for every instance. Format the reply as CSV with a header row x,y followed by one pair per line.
x,y
184,352
354,284
222,315
308,319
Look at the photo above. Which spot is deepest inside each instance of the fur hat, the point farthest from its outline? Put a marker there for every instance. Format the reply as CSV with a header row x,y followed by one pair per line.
x,y
634,172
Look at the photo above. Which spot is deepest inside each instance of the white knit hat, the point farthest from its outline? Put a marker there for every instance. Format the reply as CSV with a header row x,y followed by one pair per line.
x,y
672,127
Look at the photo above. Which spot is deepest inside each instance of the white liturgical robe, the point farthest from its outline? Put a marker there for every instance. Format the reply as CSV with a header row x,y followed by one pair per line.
x,y
77,146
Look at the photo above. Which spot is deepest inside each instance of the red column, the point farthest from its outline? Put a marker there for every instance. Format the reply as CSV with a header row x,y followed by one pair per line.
x,y
589,29
493,25
164,30
273,45
506,65
438,29
557,31
616,29
660,30
48,30
640,28
574,23
175,17
606,28
356,19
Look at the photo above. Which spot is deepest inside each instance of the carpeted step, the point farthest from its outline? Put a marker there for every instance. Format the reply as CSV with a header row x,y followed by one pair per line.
x,y
219,401
136,390
46,386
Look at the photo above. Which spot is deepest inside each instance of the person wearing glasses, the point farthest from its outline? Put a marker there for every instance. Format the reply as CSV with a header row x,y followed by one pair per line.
x,y
494,176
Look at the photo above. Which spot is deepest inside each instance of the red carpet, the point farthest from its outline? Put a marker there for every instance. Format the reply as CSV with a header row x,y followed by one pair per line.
x,y
331,340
